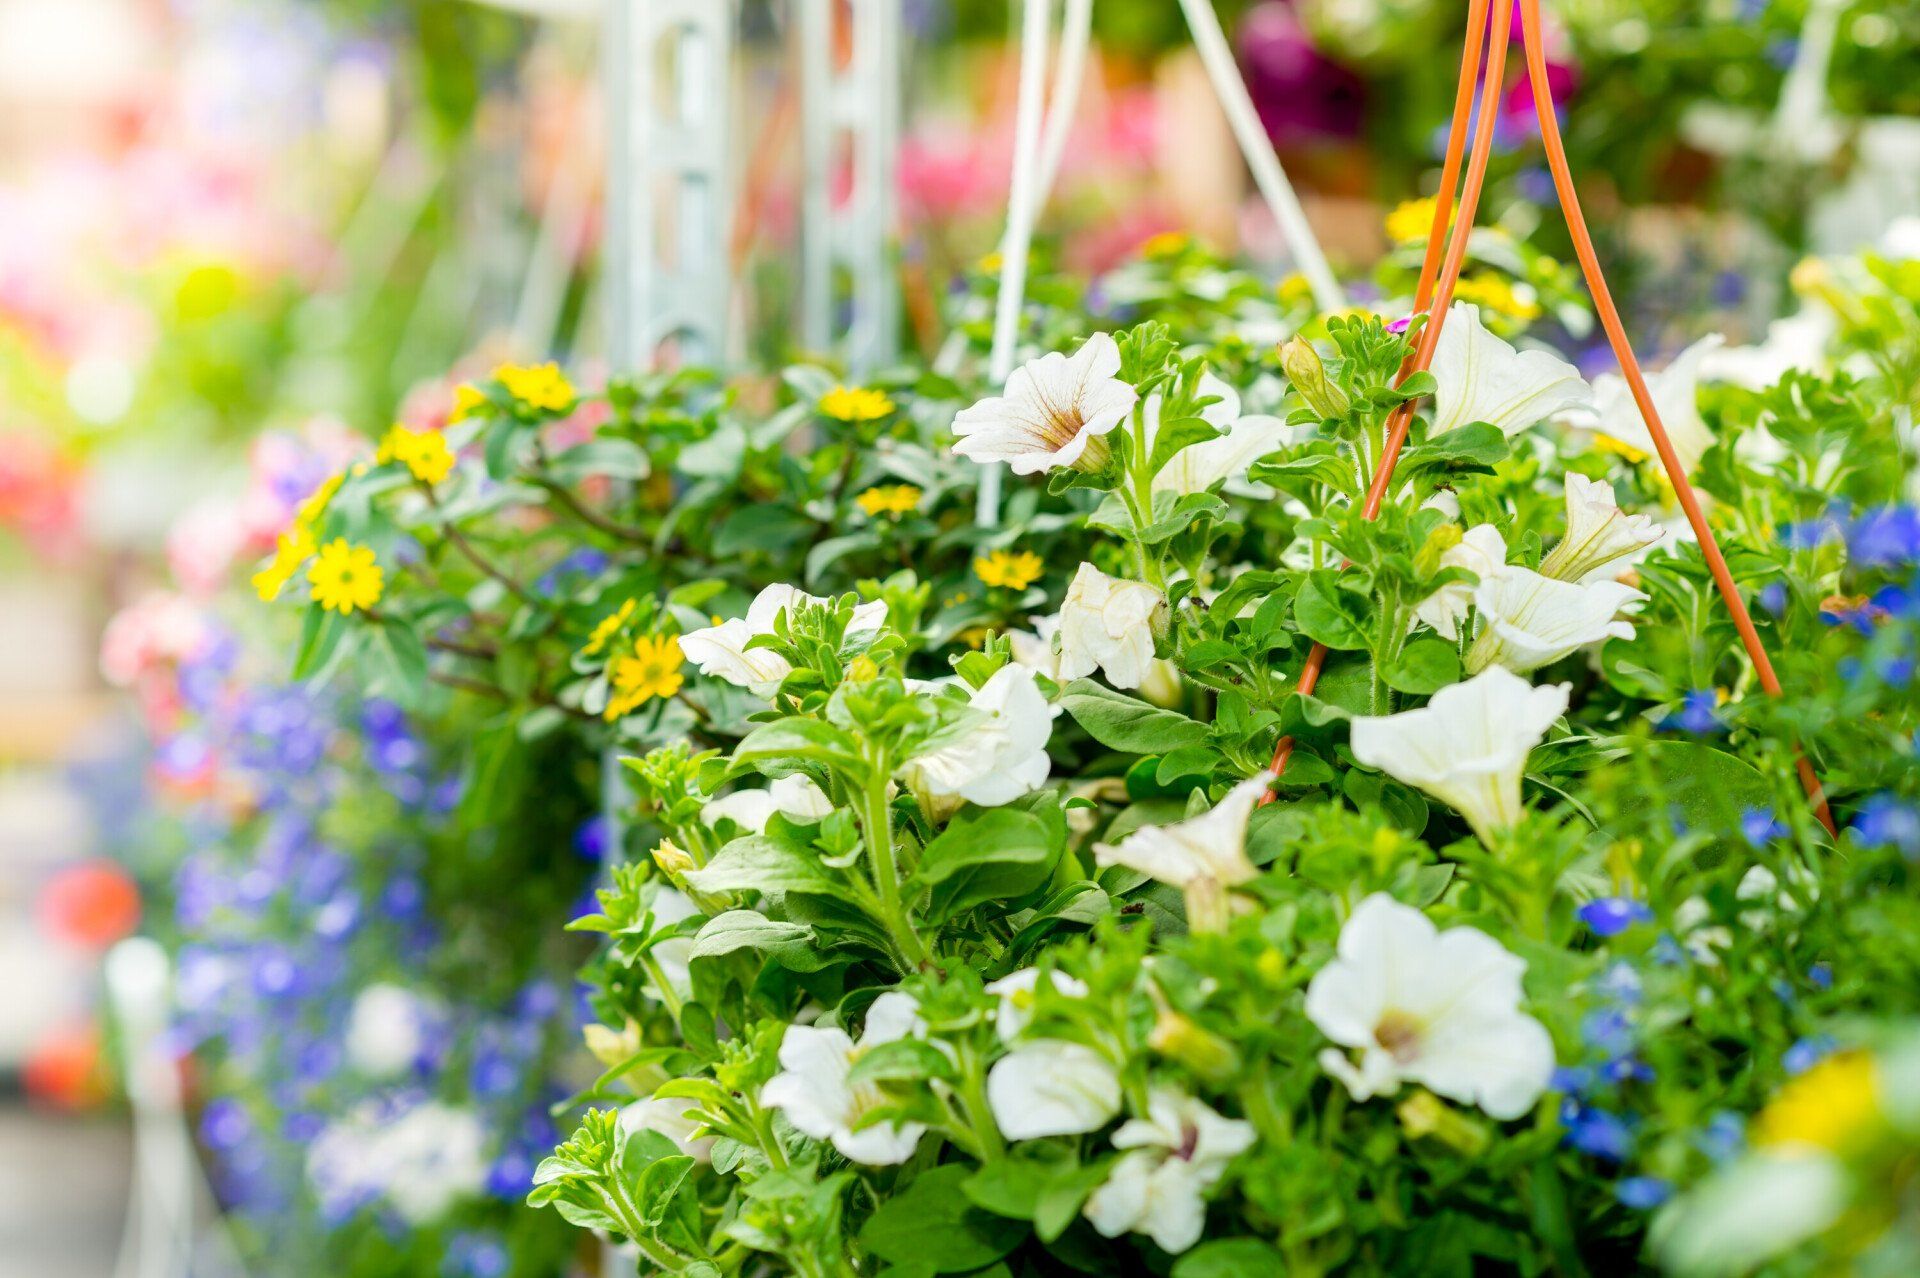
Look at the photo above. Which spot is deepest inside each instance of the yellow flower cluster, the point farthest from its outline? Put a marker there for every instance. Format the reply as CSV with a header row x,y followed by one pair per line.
x,y
1495,294
1831,1106
855,404
889,499
1412,221
345,577
1008,569
468,401
423,452
609,626
653,670
541,386
296,545
1608,444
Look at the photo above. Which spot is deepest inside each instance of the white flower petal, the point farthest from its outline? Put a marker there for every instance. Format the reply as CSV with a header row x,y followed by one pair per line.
x,y
1052,1088
1675,391
1484,379
1110,624
1053,410
1532,621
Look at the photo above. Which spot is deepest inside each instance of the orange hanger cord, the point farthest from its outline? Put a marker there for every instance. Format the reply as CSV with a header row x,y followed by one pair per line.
x,y
1637,383
1433,296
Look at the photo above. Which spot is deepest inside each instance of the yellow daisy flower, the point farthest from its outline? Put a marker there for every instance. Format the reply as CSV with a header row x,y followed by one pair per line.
x,y
1829,1107
294,548
1608,444
855,404
345,577
652,671
609,627
468,401
1411,221
423,452
1165,245
1006,568
541,386
990,264
890,499
1496,294
309,511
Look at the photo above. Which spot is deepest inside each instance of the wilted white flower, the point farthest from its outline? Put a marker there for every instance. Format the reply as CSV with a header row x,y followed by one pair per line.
x,y
1484,379
1110,624
999,758
1675,391
721,651
1482,551
1054,412
1174,1156
1528,621
1052,1088
1441,1009
820,1100
1599,533
1467,747
1015,992
668,1115
1203,856
387,1030
1243,441
794,797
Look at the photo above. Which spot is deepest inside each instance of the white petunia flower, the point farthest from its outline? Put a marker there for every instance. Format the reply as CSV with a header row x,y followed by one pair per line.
x,y
1675,391
668,1116
1243,441
795,797
814,1090
1174,1156
1599,533
1484,379
1203,856
1054,412
387,1030
1441,1009
1052,1088
721,650
1110,624
1794,342
1528,621
1035,649
1015,992
1467,747
1482,551
998,759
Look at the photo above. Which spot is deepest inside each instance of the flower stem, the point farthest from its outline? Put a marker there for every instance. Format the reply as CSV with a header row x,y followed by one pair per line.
x,y
886,870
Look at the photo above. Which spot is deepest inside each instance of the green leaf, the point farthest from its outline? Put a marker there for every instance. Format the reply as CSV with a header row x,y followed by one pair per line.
x,y
1711,788
904,1060
321,631
1328,614
761,527
932,1226
760,864
401,661
798,738
1177,435
1120,722
603,457
1000,854
1231,1258
1011,1187
1423,667
1473,448
792,945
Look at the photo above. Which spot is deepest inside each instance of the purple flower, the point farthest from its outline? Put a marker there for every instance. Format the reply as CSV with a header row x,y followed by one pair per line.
x,y
1773,597
1808,1052
1596,1132
1607,1030
1759,827
1643,1193
1886,821
1884,537
1723,1137
1699,713
1612,915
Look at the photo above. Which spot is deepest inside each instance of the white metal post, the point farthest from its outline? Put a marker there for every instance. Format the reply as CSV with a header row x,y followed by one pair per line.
x,y
852,111
668,178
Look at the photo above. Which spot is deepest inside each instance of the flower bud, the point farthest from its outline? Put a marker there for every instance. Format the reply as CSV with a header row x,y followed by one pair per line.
x,y
1427,560
673,860
1178,1038
1425,1115
1309,376
862,669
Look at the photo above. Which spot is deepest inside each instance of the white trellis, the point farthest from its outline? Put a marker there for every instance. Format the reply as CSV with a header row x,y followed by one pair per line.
x,y
1040,132
850,112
